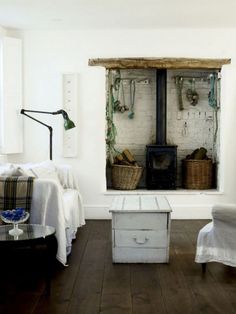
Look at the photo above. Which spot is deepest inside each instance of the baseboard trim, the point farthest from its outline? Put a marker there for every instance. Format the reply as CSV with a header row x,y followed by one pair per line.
x,y
179,212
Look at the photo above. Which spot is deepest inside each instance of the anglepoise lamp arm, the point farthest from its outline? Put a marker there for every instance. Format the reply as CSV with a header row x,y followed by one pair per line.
x,y
68,124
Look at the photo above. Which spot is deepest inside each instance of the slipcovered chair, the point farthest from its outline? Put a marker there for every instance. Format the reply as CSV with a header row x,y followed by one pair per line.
x,y
217,240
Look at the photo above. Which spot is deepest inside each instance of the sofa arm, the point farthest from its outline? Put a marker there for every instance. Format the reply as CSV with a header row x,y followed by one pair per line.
x,y
224,213
67,177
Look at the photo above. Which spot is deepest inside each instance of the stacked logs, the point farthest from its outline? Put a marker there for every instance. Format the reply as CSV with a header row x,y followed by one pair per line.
x,y
198,154
125,158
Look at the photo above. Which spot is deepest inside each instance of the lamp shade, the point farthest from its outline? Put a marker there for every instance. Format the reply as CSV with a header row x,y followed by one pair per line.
x,y
68,124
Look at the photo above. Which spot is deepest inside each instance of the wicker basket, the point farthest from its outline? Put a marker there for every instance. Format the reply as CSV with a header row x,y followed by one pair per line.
x,y
125,177
197,174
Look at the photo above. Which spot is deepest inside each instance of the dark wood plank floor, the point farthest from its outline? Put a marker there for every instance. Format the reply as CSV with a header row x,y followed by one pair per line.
x,y
92,284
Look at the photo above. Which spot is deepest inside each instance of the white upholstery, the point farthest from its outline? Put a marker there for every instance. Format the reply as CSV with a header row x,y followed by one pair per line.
x,y
74,218
217,240
56,200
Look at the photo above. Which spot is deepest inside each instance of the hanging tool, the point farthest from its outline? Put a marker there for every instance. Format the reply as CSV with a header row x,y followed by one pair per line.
x,y
132,99
191,94
116,90
179,85
123,107
212,93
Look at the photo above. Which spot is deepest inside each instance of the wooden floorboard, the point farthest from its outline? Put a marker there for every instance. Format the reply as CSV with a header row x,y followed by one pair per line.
x,y
86,297
63,282
116,293
146,290
92,284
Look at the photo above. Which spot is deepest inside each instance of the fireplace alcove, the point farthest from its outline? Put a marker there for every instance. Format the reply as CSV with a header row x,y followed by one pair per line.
x,y
158,120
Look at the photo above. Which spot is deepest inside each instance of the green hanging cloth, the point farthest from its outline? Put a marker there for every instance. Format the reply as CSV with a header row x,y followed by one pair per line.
x,y
111,131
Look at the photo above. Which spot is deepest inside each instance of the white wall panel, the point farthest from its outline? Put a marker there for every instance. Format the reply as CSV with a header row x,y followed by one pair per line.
x,y
70,105
11,96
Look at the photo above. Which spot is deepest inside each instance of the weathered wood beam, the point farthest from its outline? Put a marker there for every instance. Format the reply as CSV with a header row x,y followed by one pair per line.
x,y
159,63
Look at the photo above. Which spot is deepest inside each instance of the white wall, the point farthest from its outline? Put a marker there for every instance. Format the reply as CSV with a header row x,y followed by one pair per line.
x,y
3,31
48,54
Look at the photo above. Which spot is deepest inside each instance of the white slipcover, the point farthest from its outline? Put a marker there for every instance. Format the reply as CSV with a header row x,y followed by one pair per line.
x,y
59,204
217,240
56,200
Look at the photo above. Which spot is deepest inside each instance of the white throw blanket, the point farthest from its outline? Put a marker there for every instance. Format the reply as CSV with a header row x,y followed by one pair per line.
x,y
50,208
56,200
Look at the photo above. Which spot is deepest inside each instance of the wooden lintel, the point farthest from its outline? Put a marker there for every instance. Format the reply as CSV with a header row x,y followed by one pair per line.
x,y
159,63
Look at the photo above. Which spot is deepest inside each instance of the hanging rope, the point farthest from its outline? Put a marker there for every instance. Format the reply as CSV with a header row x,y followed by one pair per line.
x,y
212,93
132,99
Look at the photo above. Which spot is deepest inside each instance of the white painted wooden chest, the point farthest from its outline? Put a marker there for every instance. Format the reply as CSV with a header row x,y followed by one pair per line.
x,y
140,229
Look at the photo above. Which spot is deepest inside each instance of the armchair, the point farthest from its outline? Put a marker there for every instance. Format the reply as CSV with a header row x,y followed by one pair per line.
x,y
216,241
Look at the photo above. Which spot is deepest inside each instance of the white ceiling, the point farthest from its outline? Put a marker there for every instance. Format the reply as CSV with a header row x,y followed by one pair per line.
x,y
115,14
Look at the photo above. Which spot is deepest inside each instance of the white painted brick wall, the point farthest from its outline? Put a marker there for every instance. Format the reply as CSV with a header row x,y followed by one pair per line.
x,y
194,126
136,133
188,129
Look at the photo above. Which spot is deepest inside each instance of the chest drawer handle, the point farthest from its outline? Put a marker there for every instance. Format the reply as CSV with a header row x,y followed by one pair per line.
x,y
140,241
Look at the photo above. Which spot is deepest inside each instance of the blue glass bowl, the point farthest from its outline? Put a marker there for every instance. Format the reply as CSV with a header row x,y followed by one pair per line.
x,y
15,216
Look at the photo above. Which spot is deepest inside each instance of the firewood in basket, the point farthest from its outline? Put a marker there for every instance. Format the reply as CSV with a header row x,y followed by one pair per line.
x,y
119,157
200,154
128,156
192,155
125,163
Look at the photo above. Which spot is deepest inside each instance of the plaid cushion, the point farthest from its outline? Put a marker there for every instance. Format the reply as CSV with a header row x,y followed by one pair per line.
x,y
16,192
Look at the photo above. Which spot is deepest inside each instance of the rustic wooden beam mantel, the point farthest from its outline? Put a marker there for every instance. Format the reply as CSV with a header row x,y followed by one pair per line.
x,y
159,63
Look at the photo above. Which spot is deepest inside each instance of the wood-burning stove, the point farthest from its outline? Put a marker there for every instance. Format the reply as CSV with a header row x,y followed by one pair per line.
x,y
161,167
161,159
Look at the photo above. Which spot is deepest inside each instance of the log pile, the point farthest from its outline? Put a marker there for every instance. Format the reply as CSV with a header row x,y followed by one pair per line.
x,y
198,154
125,158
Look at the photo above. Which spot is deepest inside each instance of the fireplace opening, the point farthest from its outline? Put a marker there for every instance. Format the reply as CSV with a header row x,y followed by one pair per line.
x,y
162,116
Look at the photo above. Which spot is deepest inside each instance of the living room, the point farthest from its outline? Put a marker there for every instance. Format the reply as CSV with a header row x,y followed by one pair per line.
x,y
59,38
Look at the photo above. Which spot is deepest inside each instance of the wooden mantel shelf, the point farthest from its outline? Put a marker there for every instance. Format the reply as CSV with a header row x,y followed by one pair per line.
x,y
159,63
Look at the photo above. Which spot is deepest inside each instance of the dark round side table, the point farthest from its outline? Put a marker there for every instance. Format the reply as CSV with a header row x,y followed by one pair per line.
x,y
32,236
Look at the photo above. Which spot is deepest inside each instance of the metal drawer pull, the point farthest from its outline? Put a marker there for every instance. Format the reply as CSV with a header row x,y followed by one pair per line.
x,y
140,240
